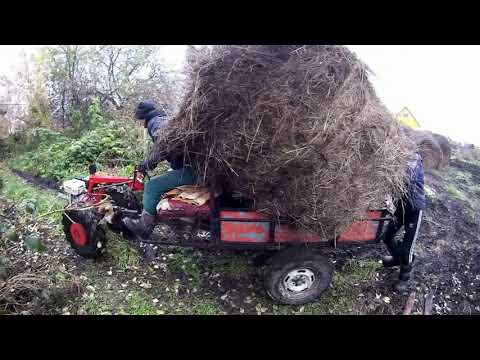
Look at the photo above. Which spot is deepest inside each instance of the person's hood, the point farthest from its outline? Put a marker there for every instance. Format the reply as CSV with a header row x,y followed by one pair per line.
x,y
144,108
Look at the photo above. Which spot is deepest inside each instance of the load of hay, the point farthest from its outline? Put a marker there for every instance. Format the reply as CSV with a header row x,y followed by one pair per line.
x,y
445,147
435,149
297,128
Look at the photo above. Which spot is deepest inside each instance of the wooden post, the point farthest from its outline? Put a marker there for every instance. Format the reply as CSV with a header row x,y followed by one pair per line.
x,y
428,304
409,304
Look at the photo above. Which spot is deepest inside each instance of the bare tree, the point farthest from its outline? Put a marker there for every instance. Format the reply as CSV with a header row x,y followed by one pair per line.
x,y
60,83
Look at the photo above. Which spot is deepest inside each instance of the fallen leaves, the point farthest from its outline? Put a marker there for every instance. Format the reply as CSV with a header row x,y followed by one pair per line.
x,y
146,285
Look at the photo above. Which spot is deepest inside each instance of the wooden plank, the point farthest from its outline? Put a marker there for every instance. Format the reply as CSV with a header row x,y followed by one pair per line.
x,y
409,304
428,304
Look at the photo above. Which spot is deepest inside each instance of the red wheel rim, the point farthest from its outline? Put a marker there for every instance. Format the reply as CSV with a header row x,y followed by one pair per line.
x,y
79,234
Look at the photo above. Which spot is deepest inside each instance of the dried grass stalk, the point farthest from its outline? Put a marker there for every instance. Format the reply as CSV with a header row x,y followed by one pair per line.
x,y
14,287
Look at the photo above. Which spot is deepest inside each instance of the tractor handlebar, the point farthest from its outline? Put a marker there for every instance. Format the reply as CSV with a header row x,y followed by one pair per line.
x,y
144,173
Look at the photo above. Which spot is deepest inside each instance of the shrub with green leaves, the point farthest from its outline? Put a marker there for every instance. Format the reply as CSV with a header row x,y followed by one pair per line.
x,y
62,157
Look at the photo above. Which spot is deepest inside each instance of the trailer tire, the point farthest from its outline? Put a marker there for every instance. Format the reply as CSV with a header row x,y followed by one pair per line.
x,y
297,276
93,244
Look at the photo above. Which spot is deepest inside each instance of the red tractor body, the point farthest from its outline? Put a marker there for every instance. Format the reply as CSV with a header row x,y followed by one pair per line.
x,y
295,275
239,226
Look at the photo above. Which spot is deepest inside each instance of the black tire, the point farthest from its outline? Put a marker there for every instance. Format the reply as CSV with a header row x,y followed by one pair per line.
x,y
312,270
97,240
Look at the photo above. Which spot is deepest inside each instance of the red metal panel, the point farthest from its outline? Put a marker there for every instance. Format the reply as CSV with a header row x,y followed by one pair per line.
x,y
362,230
285,234
246,215
244,232
90,199
107,179
259,231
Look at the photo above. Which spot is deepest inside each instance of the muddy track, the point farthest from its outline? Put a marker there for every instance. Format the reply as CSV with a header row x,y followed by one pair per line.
x,y
449,244
40,181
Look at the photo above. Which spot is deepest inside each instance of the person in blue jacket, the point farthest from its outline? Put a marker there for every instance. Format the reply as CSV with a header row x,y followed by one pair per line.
x,y
408,214
180,174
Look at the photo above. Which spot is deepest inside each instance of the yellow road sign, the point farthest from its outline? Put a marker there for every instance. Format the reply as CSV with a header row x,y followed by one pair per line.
x,y
406,117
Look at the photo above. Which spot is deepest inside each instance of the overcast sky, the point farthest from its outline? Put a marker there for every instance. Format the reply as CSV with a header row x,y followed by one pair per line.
x,y
438,83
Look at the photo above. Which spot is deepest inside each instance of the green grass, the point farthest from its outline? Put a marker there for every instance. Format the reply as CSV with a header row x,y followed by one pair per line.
x,y
61,277
429,191
360,270
234,265
139,304
342,298
186,263
124,256
206,307
94,305
453,190
24,194
106,302
462,176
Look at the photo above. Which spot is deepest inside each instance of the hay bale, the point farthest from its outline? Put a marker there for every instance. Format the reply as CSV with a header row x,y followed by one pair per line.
x,y
297,128
429,149
446,148
435,149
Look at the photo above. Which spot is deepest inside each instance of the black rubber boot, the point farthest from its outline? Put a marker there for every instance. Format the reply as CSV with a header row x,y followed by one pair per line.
x,y
401,286
406,273
390,261
142,226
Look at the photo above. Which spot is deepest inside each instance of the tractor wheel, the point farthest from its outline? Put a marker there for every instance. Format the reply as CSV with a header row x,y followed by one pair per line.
x,y
85,236
297,276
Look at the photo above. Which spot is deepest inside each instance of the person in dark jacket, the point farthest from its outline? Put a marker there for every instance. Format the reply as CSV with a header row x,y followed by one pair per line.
x,y
180,174
408,214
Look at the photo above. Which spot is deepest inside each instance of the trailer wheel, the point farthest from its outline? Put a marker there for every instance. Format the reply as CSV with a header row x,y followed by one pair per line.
x,y
297,276
85,236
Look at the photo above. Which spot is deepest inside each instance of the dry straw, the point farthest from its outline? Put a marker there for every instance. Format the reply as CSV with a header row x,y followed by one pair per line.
x,y
298,128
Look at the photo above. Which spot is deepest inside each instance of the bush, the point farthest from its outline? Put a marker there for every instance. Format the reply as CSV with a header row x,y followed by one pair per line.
x,y
63,157
54,155
29,139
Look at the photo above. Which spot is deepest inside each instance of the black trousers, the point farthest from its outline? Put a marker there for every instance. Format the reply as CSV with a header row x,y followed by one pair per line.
x,y
411,219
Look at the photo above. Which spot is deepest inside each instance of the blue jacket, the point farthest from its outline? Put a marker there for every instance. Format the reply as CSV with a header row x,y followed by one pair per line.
x,y
155,119
416,189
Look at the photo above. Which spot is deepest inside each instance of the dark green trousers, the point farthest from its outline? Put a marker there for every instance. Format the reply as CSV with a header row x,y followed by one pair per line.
x,y
159,185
